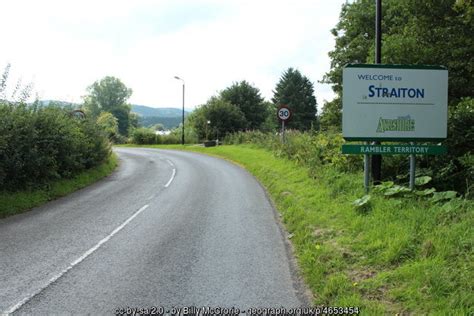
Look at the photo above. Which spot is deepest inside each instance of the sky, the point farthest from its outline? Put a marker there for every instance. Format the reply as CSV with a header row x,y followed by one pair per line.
x,y
62,47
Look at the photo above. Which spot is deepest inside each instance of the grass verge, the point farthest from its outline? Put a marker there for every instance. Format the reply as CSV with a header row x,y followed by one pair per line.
x,y
396,255
17,202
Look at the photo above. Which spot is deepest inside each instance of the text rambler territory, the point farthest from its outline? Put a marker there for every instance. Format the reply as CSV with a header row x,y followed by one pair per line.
x,y
393,149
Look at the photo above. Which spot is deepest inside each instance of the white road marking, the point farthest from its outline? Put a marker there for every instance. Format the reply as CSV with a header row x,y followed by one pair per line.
x,y
171,179
74,263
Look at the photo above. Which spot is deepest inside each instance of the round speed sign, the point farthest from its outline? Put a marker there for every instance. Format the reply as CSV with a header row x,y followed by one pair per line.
x,y
284,113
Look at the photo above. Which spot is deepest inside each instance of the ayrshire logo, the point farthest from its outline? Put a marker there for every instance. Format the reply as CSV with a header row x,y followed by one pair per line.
x,y
400,124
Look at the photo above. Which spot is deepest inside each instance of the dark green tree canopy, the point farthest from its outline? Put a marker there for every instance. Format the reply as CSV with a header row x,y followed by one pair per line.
x,y
431,32
110,95
248,99
331,116
223,118
296,91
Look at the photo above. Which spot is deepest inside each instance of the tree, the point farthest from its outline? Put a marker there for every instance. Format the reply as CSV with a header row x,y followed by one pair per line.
x,y
429,32
270,124
248,99
158,127
415,32
223,118
110,95
331,116
297,92
109,124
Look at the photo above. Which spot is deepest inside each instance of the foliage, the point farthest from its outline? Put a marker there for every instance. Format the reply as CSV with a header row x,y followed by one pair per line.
x,y
270,124
142,136
190,135
456,169
331,115
390,189
110,95
38,144
147,136
158,127
167,122
362,204
312,150
248,99
20,92
324,148
398,256
109,124
16,202
430,32
297,92
223,117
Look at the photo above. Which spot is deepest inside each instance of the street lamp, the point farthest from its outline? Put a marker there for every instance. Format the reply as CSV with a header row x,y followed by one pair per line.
x,y
182,123
207,126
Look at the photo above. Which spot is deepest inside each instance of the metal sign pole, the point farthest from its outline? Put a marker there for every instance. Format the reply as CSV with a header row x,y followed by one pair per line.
x,y
377,159
282,131
412,170
366,171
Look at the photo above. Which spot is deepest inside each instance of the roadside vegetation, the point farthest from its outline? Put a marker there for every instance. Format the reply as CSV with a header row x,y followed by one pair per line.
x,y
19,201
47,151
392,251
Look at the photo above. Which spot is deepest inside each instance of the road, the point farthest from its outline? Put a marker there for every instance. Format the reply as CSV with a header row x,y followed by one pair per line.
x,y
168,228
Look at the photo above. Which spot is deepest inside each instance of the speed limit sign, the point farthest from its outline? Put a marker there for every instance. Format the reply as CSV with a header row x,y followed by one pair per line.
x,y
284,113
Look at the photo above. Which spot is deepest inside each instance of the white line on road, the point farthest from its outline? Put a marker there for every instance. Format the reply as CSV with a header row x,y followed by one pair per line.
x,y
75,262
169,161
171,179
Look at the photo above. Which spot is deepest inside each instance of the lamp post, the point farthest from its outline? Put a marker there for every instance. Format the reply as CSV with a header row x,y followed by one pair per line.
x,y
207,133
182,123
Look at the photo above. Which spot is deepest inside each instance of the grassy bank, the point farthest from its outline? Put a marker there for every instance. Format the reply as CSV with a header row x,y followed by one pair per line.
x,y
18,202
396,255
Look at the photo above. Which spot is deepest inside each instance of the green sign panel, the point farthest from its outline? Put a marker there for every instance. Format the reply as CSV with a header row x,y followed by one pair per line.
x,y
394,149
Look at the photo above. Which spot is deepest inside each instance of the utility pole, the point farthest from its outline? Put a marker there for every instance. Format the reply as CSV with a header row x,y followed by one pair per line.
x,y
377,159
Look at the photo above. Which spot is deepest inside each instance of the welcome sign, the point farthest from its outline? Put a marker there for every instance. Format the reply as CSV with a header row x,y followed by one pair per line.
x,y
394,102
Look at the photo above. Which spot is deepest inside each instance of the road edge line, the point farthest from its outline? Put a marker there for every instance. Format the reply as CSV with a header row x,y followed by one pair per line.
x,y
86,254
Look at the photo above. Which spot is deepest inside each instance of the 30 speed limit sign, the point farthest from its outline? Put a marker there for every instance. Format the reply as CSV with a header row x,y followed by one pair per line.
x,y
284,113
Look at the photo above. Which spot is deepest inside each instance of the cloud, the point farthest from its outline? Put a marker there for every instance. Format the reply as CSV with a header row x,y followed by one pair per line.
x,y
65,46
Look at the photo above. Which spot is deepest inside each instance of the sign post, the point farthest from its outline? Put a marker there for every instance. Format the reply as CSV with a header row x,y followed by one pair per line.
x,y
397,103
284,114
412,170
366,171
377,159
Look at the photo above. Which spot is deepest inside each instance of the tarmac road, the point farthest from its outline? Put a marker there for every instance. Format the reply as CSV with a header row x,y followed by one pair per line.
x,y
168,228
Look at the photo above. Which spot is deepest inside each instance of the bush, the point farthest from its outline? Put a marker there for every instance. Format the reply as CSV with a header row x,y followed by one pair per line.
x,y
170,139
454,171
41,144
309,149
145,136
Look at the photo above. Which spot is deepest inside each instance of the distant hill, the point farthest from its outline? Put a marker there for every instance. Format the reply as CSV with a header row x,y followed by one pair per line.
x,y
167,122
145,111
56,102
148,116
